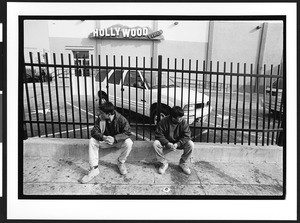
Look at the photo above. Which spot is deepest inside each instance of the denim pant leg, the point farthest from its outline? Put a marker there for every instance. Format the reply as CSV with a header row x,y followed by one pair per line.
x,y
94,145
187,151
93,152
159,153
126,147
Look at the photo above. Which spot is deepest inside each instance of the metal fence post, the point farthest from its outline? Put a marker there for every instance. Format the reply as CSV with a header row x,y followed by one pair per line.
x,y
25,134
281,136
159,87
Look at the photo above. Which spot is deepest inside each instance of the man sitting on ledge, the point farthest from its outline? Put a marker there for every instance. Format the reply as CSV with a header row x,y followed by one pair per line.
x,y
111,129
173,133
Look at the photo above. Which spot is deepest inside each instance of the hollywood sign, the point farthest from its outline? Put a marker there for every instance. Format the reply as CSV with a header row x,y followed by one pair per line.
x,y
118,32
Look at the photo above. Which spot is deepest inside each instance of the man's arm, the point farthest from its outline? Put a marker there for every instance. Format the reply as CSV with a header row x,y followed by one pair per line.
x,y
185,135
124,129
160,132
96,131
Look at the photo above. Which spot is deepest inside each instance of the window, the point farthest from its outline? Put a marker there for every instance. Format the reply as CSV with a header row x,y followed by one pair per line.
x,y
133,81
103,74
81,58
115,78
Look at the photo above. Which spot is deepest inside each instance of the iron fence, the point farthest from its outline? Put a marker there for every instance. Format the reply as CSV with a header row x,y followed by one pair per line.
x,y
222,104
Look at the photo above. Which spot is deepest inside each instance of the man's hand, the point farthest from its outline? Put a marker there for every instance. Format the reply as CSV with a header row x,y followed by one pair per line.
x,y
110,140
171,146
175,146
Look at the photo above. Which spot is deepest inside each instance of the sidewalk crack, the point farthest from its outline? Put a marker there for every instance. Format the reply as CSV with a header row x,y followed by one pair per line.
x,y
200,183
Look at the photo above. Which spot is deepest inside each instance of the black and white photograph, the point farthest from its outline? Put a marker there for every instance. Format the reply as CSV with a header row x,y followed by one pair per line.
x,y
153,107
139,103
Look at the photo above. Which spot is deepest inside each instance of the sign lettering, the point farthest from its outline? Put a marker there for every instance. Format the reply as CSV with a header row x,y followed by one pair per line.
x,y
122,32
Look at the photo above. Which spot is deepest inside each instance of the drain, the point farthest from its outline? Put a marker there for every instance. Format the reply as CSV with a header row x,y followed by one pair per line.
x,y
166,189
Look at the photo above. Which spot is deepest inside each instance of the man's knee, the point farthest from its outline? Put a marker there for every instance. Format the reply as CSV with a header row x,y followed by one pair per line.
x,y
156,144
93,141
190,145
128,142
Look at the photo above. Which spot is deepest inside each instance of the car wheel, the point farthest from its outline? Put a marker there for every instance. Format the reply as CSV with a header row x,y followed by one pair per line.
x,y
103,98
163,113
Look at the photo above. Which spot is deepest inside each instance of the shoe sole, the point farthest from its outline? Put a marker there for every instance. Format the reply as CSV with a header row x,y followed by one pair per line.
x,y
162,172
122,173
185,171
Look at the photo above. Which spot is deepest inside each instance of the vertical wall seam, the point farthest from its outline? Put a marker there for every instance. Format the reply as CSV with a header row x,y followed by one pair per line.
x,y
154,44
261,51
262,45
209,42
209,47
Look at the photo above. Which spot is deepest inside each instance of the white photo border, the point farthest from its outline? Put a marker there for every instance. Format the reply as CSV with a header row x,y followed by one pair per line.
x,y
151,209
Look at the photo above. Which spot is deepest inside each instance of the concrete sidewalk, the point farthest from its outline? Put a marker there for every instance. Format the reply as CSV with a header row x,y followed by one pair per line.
x,y
55,167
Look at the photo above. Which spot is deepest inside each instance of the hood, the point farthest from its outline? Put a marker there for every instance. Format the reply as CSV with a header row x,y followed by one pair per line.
x,y
185,93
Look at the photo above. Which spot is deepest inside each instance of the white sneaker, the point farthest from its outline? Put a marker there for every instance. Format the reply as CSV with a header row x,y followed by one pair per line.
x,y
162,169
122,168
185,168
91,175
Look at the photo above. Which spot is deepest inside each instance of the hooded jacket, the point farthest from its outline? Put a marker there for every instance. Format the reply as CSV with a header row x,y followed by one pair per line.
x,y
168,131
119,128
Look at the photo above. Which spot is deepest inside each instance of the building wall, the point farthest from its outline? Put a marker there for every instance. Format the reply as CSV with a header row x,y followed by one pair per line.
x,y
185,40
61,45
71,28
182,50
125,48
217,41
230,41
273,45
243,42
36,38
236,42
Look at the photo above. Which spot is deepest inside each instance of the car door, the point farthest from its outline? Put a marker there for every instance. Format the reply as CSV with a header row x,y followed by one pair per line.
x,y
133,90
114,87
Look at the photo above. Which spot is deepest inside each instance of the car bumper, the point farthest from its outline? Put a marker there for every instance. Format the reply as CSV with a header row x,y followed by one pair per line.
x,y
267,106
198,116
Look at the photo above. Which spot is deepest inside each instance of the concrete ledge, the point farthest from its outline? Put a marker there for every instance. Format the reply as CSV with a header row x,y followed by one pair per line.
x,y
142,151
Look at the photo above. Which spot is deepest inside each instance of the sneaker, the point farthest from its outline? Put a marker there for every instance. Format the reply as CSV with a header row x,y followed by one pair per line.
x,y
93,172
185,168
122,168
162,169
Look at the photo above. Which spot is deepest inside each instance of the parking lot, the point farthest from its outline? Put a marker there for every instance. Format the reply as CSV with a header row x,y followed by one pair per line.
x,y
224,124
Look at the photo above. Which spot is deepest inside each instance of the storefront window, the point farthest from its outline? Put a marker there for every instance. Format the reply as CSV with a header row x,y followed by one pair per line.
x,y
81,58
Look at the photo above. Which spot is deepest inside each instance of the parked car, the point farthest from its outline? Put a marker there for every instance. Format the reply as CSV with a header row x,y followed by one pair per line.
x,y
136,88
30,79
276,94
37,77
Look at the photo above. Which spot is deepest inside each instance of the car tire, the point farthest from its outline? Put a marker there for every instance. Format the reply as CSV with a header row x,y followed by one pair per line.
x,y
163,112
103,98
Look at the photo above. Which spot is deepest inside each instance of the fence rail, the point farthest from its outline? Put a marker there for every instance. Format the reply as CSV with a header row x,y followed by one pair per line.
x,y
222,104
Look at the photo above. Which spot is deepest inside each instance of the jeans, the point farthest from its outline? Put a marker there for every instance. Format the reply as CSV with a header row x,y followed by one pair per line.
x,y
94,146
187,151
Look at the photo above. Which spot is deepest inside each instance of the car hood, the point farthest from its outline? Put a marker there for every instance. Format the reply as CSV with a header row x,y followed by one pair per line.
x,y
187,95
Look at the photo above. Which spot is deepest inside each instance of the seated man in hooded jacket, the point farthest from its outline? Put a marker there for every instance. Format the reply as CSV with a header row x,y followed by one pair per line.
x,y
173,133
111,129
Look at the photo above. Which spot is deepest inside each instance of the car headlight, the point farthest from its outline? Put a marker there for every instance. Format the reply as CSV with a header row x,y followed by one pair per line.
x,y
189,108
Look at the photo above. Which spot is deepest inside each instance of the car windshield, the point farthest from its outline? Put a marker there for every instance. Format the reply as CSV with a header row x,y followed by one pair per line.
x,y
278,82
152,80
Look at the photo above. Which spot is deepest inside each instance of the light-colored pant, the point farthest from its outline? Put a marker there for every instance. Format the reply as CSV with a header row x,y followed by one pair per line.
x,y
94,146
187,151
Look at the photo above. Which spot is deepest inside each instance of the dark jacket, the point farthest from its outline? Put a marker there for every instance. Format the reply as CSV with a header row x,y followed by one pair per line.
x,y
119,128
168,131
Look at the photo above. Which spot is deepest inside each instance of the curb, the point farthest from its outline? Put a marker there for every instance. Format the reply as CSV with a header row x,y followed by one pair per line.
x,y
57,148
